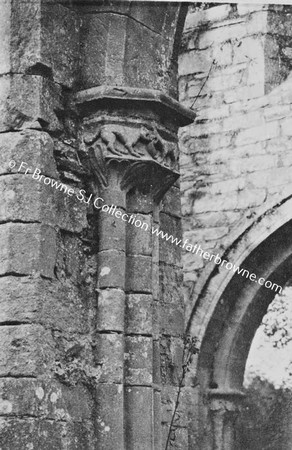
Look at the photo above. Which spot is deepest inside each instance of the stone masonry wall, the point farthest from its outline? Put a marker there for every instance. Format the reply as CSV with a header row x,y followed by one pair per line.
x,y
91,308
236,158
47,368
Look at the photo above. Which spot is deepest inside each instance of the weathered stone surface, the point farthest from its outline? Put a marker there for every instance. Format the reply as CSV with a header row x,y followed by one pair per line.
x,y
34,148
139,240
140,204
171,202
29,101
40,39
69,346
101,33
109,353
112,232
169,284
41,301
33,433
215,14
171,350
138,360
170,249
139,274
110,416
19,193
138,314
172,319
112,269
25,396
26,350
138,407
27,249
168,399
60,28
110,310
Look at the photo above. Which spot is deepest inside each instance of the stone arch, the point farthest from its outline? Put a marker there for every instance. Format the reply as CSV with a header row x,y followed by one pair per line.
x,y
227,316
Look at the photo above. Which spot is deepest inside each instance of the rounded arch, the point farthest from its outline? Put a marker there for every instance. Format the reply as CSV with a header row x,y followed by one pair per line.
x,y
205,300
227,316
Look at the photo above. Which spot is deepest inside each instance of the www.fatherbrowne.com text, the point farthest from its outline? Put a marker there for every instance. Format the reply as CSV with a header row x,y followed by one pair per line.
x,y
99,204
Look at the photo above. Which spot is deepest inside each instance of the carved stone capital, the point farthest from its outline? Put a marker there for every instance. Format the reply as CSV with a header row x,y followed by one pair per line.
x,y
225,406
136,128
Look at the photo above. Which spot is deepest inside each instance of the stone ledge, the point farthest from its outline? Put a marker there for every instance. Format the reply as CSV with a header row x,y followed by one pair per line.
x,y
107,96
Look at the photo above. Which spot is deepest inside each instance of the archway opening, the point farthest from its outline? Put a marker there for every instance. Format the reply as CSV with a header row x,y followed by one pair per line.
x,y
229,335
265,421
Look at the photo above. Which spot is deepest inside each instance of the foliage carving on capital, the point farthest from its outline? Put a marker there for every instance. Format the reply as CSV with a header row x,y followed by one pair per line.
x,y
152,158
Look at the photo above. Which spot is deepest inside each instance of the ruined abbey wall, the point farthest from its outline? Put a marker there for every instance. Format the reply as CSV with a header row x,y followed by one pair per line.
x,y
235,158
234,72
92,319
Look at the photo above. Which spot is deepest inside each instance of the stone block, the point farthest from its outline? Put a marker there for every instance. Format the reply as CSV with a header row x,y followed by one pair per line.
x,y
194,62
26,350
33,148
30,397
97,46
62,306
41,39
20,396
170,284
55,305
276,112
27,249
171,351
111,269
26,200
223,54
143,69
210,15
18,302
250,51
109,355
17,434
139,418
112,231
237,30
248,120
139,274
179,435
258,134
110,310
286,126
60,28
155,281
244,93
71,214
171,319
244,9
5,36
168,400
22,27
138,360
140,203
171,202
245,199
109,420
193,262
138,314
29,101
139,240
170,250
114,197
254,163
